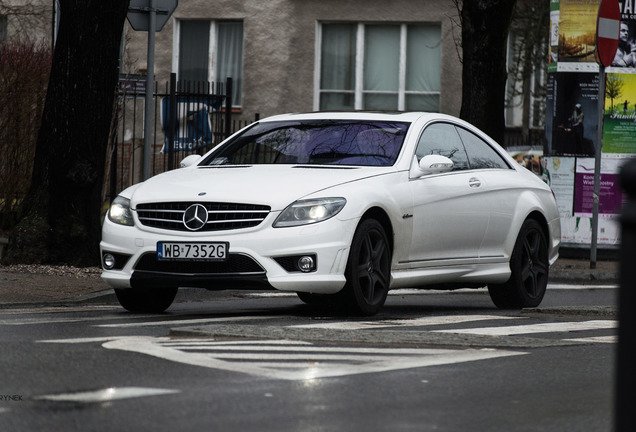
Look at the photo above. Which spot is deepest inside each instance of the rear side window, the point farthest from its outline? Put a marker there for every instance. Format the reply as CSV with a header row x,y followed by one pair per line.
x,y
480,154
442,139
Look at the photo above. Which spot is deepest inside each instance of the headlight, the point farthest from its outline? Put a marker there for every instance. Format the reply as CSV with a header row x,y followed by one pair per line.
x,y
119,211
309,211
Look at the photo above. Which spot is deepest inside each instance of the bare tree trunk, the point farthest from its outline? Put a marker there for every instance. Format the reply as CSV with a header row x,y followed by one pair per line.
x,y
61,213
485,25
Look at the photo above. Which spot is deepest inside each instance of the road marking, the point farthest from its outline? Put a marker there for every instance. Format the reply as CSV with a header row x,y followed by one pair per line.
x,y
83,340
536,328
299,360
581,286
57,309
35,321
106,395
597,339
415,322
288,360
178,322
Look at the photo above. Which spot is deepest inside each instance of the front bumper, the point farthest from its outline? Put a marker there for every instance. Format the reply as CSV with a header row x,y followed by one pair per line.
x,y
255,257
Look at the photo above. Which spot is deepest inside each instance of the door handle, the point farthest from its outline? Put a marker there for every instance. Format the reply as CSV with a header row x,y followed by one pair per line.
x,y
474,182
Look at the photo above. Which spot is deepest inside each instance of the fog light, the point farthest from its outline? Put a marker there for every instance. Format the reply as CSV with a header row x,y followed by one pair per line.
x,y
109,261
306,263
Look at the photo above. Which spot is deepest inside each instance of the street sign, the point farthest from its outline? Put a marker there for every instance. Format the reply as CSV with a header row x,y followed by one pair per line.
x,y
608,27
150,16
139,13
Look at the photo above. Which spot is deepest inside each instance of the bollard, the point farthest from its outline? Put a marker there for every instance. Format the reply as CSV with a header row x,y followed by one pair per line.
x,y
625,393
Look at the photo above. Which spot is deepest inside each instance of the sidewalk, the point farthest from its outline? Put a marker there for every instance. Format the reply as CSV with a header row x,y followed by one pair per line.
x,y
26,284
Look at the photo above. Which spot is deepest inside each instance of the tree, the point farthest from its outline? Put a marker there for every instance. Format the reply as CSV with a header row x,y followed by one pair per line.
x,y
24,71
528,57
484,30
60,217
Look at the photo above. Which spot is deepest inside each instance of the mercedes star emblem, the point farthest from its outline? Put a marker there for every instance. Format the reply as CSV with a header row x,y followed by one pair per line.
x,y
195,217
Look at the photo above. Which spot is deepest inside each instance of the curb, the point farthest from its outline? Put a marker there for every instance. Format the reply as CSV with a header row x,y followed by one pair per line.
x,y
582,277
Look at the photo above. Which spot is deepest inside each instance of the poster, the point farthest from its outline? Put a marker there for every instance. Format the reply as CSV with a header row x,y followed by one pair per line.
x,y
561,179
572,104
626,52
619,120
610,202
577,30
553,54
572,119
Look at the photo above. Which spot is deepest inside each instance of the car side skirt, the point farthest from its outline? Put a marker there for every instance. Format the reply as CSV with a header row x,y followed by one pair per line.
x,y
469,274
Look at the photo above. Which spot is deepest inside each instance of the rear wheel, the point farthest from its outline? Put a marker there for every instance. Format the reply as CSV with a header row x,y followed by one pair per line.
x,y
368,270
529,266
146,300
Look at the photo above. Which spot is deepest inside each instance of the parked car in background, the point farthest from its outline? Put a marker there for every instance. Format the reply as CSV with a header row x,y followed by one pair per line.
x,y
339,208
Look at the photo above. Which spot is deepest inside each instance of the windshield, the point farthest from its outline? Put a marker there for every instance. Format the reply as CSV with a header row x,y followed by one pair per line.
x,y
315,142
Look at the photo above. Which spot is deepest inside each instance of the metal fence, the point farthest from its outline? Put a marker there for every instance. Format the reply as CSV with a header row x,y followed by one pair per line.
x,y
189,118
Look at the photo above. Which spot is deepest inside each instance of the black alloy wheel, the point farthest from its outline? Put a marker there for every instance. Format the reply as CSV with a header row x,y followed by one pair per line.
x,y
368,271
529,268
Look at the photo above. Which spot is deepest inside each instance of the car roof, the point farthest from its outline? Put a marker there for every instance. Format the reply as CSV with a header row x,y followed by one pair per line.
x,y
356,115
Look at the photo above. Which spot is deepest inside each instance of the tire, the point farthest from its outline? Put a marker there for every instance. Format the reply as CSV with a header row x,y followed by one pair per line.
x,y
146,300
368,270
529,268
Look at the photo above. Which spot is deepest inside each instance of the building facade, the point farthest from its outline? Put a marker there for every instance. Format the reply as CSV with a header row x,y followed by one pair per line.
x,y
305,55
27,20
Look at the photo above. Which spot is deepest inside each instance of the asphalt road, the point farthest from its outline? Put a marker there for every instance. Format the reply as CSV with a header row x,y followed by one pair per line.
x,y
264,361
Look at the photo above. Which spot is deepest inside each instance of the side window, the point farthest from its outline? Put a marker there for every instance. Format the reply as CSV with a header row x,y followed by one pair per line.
x,y
442,139
480,154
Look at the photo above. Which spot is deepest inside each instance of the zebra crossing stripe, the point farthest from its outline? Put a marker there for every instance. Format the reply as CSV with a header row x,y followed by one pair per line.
x,y
536,328
415,322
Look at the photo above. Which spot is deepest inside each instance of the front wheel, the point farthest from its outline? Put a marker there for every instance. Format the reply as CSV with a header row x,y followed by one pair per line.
x,y
368,270
529,266
146,300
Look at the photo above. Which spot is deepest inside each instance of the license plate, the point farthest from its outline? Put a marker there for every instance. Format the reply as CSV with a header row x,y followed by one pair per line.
x,y
192,251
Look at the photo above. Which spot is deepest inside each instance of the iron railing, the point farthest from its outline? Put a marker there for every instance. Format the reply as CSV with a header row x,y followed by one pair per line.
x,y
189,118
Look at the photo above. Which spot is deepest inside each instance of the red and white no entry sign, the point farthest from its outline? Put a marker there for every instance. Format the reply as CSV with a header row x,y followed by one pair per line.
x,y
607,31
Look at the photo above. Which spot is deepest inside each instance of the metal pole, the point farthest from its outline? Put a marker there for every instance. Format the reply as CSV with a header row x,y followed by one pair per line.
x,y
597,163
626,356
150,85
172,105
228,107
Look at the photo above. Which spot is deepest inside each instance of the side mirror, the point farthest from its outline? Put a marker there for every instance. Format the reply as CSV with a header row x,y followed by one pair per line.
x,y
433,164
190,160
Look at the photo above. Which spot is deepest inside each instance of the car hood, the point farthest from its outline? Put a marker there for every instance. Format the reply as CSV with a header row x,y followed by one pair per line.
x,y
273,185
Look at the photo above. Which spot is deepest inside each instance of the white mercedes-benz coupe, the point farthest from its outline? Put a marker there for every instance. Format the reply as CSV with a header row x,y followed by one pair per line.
x,y
338,208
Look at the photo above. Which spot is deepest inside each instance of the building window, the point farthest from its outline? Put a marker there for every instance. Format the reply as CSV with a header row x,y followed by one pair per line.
x,y
210,51
379,67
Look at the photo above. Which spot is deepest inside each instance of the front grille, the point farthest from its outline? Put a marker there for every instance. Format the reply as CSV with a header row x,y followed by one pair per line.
x,y
221,216
234,264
